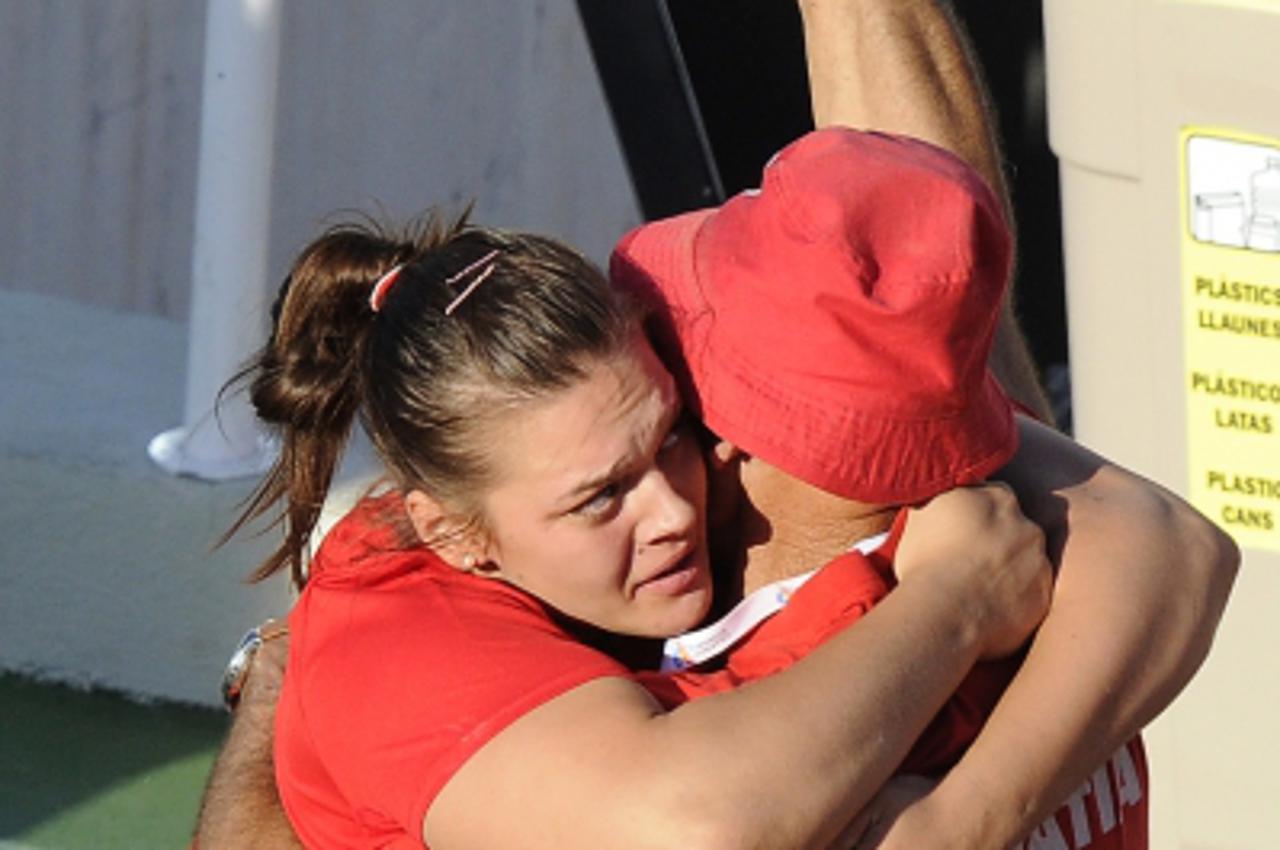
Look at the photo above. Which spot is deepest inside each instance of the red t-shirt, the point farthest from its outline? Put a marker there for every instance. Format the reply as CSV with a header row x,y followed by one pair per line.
x,y
400,668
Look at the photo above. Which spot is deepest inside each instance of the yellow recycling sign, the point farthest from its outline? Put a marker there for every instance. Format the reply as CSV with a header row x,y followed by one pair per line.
x,y
1231,329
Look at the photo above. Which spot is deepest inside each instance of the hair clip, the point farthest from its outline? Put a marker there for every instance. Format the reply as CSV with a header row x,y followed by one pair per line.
x,y
379,294
471,287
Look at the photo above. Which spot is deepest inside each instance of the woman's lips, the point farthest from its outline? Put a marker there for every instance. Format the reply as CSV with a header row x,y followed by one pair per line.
x,y
675,579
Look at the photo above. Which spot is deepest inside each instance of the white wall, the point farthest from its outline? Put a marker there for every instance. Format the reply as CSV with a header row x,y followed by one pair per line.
x,y
410,104
402,103
99,113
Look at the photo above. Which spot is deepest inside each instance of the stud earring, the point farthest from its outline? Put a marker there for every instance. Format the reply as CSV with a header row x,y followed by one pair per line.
x,y
469,561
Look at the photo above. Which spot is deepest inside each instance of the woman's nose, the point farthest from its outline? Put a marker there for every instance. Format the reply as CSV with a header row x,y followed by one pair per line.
x,y
669,513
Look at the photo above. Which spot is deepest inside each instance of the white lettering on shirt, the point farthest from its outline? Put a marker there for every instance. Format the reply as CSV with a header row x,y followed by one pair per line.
x,y
1128,786
1079,819
1096,795
1048,836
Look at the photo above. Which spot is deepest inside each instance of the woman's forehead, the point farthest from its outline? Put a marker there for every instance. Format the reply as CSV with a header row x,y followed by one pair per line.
x,y
614,414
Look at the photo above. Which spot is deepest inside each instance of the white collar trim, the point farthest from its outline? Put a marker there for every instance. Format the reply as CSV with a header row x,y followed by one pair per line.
x,y
701,645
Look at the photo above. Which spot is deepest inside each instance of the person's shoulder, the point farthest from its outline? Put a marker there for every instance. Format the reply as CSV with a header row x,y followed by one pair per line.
x,y
410,607
393,685
372,577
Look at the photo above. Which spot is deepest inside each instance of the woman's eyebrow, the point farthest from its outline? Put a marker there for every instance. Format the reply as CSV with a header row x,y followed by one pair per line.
x,y
622,465
589,485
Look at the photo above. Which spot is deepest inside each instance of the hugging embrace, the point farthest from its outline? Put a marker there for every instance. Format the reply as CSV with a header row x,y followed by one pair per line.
x,y
741,546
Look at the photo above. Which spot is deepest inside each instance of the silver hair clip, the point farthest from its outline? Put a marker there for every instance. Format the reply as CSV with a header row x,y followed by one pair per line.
x,y
471,287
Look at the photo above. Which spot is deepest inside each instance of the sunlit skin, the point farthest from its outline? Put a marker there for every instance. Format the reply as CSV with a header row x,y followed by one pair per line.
x,y
599,504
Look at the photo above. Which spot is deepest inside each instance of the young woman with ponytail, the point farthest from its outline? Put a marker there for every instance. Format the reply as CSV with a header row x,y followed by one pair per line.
x,y
547,491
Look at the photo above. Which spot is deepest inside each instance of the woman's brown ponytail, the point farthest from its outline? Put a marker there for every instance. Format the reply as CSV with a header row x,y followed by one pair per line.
x,y
306,379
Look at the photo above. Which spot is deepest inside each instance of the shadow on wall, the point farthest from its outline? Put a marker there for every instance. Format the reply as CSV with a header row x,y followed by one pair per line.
x,y
95,770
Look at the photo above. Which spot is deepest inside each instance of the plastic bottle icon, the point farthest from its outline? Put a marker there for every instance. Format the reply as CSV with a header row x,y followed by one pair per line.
x,y
1264,233
1264,223
1266,189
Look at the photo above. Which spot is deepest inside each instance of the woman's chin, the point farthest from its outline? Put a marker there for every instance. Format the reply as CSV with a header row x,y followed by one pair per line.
x,y
674,614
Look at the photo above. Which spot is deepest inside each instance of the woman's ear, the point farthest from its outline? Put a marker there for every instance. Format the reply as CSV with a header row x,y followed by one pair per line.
x,y
723,454
453,538
724,485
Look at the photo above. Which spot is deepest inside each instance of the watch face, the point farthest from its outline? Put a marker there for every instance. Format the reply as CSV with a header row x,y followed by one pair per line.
x,y
238,668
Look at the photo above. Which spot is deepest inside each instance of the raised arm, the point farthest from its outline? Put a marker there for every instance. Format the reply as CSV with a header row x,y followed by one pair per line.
x,y
903,66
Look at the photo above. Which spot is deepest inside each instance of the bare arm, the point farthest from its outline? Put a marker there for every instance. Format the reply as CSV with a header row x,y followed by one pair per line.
x,y
776,764
241,807
1141,587
902,66
1142,584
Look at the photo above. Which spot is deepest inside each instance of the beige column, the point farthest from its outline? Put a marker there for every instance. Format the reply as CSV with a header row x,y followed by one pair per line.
x,y
1164,116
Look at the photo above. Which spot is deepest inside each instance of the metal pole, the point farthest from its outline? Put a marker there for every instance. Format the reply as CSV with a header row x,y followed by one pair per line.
x,y
229,266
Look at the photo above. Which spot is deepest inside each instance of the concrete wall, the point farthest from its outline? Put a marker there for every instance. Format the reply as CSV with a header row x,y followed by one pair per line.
x,y
408,104
104,561
397,104
99,116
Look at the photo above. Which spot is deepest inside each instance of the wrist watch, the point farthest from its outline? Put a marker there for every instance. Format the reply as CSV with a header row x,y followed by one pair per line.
x,y
237,672
233,678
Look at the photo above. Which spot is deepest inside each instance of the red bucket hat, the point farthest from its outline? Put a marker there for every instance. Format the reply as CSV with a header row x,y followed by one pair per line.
x,y
836,322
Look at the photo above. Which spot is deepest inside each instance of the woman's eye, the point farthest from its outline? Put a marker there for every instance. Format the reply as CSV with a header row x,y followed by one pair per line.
x,y
600,502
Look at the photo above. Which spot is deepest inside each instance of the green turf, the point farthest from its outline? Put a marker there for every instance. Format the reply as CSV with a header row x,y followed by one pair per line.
x,y
98,771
